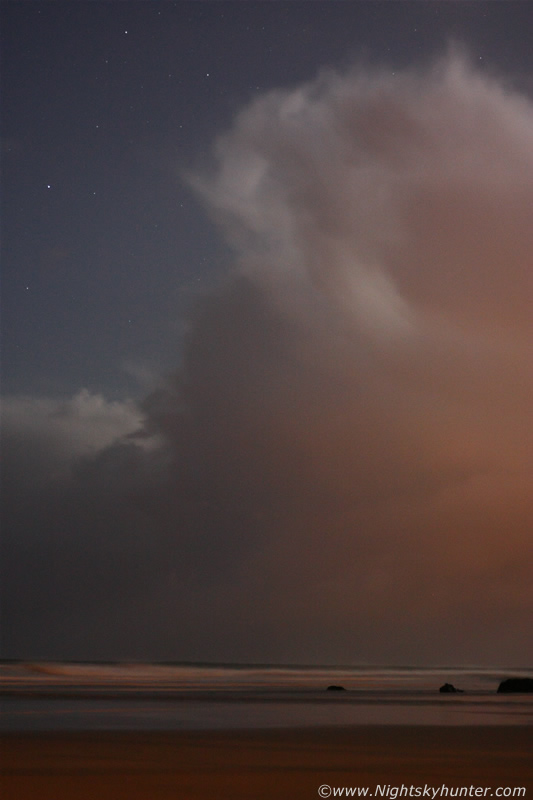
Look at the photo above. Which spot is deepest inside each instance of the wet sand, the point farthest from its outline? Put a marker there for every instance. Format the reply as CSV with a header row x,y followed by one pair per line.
x,y
261,764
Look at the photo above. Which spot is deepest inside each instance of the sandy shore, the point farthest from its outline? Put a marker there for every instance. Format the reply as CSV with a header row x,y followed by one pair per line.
x,y
261,764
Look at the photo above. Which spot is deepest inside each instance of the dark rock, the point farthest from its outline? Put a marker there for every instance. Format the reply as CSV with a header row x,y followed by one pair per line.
x,y
516,685
449,688
334,688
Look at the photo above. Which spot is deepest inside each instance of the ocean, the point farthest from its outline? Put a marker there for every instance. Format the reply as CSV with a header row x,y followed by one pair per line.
x,y
160,697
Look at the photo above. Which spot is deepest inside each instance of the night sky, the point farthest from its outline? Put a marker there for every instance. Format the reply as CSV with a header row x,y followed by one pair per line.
x,y
267,328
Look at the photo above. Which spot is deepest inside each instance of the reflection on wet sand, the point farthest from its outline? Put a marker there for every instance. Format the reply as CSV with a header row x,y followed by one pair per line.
x,y
286,763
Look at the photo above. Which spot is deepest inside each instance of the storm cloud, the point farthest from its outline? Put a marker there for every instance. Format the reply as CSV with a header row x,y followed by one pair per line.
x,y
340,470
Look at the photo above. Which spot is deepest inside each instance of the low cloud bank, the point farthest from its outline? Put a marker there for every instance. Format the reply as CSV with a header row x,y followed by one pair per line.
x,y
341,470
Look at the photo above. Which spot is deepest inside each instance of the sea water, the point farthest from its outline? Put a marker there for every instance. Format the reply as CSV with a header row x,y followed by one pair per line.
x,y
76,696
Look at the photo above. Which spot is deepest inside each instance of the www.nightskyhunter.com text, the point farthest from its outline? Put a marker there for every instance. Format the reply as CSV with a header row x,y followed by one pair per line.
x,y
393,792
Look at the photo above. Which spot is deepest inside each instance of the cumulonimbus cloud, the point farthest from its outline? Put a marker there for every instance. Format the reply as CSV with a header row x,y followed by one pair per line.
x,y
341,468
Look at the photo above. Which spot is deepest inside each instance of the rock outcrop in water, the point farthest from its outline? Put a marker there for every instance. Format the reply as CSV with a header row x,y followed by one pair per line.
x,y
334,688
449,688
516,685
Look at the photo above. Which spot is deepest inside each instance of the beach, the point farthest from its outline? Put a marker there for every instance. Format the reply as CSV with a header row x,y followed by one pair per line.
x,y
277,763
